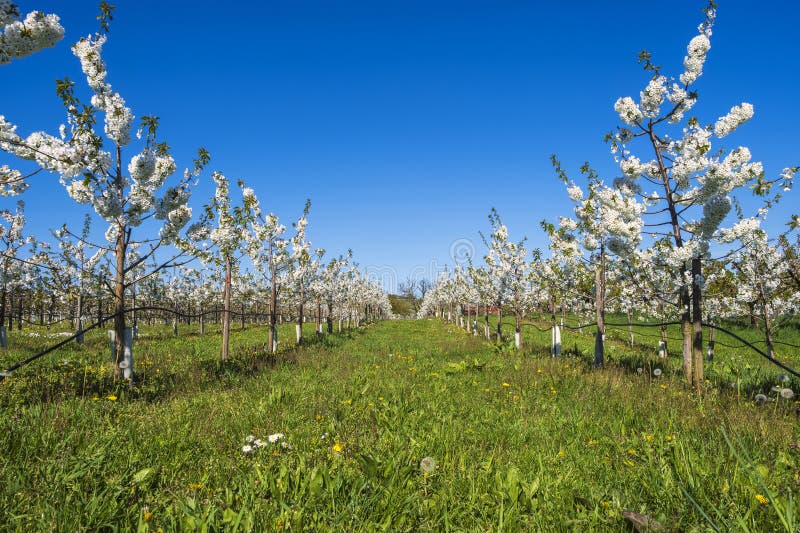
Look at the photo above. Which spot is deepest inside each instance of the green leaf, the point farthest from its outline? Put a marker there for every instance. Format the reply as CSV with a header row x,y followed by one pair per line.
x,y
141,475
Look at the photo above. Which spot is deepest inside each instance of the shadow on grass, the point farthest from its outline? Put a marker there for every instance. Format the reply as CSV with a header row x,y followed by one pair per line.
x,y
57,380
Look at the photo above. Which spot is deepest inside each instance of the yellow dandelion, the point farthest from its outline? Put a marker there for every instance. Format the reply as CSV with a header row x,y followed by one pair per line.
x,y
663,387
539,371
631,452
592,442
561,454
195,486
487,390
606,504
147,516
506,384
762,499
319,418
95,399
111,397
552,391
725,487
337,448
648,438
380,398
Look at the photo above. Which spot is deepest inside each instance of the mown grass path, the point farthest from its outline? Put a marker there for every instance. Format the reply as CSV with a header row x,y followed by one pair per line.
x,y
520,443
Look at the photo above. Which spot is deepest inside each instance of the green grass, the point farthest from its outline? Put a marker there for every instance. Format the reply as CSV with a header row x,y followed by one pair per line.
x,y
522,442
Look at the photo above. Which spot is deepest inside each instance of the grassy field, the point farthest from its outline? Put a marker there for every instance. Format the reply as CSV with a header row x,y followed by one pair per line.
x,y
401,426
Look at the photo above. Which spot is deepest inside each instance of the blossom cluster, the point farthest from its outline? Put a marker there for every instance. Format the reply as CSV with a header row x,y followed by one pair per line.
x,y
21,38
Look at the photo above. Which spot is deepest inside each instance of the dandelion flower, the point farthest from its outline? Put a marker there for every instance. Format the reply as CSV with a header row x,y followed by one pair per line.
x,y
761,398
506,384
427,465
111,397
762,499
657,372
337,448
787,394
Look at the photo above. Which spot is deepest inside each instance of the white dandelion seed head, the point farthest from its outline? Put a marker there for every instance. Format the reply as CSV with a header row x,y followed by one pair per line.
x,y
427,465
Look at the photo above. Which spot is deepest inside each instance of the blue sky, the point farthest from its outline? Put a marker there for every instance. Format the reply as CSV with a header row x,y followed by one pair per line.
x,y
405,121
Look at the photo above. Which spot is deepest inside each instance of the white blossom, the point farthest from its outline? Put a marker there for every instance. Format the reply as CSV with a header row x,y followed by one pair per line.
x,y
737,116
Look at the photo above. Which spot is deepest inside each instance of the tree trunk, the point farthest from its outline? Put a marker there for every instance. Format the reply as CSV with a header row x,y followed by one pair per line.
x,y
486,329
499,324
226,309
686,333
79,318
600,308
630,328
119,301
99,308
20,306
273,303
768,329
697,325
518,330
712,333
319,317
299,327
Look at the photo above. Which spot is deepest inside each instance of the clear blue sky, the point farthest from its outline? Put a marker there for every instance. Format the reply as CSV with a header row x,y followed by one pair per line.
x,y
405,121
